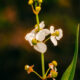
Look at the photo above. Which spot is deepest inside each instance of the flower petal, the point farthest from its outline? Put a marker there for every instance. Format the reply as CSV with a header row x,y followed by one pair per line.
x,y
54,41
29,37
40,36
40,47
42,25
46,31
51,65
60,34
51,29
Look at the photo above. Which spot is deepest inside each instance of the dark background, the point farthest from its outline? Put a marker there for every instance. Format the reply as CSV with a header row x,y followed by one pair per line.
x,y
17,19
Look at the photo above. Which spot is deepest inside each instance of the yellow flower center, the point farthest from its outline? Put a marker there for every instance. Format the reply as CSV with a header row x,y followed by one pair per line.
x,y
34,41
55,33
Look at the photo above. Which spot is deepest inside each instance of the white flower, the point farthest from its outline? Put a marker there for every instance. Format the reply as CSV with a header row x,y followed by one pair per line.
x,y
40,36
55,35
40,47
35,40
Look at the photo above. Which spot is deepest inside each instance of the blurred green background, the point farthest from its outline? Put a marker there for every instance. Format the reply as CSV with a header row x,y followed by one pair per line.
x,y
17,19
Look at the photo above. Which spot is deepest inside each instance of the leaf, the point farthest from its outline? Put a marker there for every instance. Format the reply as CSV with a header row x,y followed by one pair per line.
x,y
70,71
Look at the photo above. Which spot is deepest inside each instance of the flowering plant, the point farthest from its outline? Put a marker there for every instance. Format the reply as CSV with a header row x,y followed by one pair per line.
x,y
37,39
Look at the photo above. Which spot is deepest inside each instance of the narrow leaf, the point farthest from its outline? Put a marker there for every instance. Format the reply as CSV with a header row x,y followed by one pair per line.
x,y
70,71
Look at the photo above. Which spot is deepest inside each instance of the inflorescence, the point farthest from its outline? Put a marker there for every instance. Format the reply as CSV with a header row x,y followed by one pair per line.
x,y
38,38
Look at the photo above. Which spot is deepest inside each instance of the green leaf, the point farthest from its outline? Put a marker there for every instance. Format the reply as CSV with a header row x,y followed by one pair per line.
x,y
70,71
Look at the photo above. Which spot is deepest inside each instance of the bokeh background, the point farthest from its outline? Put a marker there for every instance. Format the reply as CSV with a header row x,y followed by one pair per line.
x,y
17,19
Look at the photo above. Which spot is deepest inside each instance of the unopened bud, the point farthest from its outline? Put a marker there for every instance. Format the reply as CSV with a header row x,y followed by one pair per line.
x,y
54,63
30,2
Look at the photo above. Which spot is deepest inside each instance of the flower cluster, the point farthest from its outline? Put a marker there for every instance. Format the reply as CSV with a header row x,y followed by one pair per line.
x,y
37,7
37,37
53,72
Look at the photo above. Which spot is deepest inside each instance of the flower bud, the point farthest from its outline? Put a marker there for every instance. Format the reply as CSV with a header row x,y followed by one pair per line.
x,y
40,1
38,8
30,2
53,74
54,63
26,67
51,65
29,69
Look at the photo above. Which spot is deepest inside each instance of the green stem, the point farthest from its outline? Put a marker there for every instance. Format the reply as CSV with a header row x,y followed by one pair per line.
x,y
43,66
37,74
46,39
47,71
37,20
42,54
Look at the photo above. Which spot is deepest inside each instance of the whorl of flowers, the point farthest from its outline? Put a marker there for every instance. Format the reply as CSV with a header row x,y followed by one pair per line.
x,y
38,38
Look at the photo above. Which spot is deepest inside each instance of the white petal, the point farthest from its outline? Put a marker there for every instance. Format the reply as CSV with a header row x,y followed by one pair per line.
x,y
33,31
30,42
40,36
54,41
51,29
42,25
29,37
60,34
40,47
46,31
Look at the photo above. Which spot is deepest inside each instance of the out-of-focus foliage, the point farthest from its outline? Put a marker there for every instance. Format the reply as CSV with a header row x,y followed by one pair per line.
x,y
70,71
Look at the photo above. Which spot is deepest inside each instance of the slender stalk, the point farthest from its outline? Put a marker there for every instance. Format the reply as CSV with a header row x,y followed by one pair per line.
x,y
37,20
42,54
43,66
47,71
46,39
37,74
